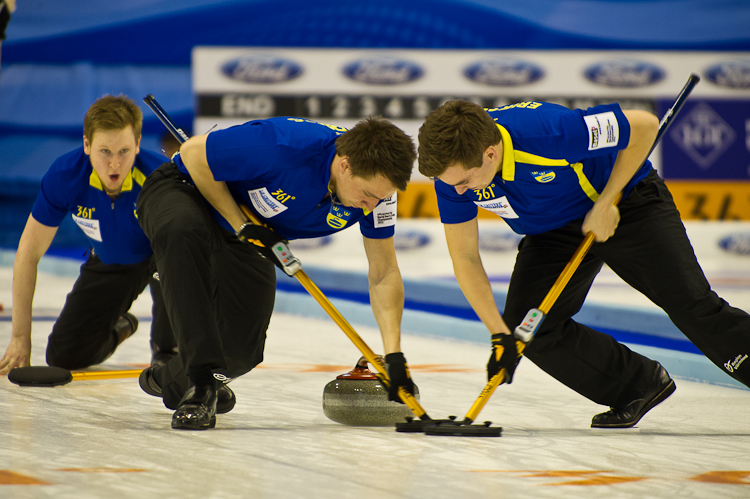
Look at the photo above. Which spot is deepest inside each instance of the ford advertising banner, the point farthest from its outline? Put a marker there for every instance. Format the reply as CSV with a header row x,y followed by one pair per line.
x,y
705,157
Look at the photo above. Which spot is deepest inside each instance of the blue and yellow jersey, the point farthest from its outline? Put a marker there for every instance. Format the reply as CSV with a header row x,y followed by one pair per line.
x,y
72,186
555,163
280,169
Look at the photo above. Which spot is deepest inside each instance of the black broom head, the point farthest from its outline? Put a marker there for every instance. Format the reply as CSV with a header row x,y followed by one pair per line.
x,y
39,376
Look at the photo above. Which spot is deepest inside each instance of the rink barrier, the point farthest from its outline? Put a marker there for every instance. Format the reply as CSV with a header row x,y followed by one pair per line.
x,y
438,308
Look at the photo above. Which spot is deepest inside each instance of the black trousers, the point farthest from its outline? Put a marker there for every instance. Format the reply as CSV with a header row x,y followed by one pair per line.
x,y
83,334
219,292
651,252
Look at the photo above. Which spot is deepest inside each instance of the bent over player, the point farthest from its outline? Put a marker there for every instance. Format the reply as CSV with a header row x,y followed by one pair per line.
x,y
98,185
303,179
553,175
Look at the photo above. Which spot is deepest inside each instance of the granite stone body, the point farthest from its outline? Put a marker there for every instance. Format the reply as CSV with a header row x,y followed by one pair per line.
x,y
358,398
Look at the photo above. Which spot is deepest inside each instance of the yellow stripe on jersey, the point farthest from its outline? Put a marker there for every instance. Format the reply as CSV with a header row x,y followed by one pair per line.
x,y
510,157
509,164
584,182
95,181
138,176
533,159
127,185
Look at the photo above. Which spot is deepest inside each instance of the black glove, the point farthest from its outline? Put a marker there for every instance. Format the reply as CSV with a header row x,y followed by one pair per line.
x,y
268,237
504,356
398,374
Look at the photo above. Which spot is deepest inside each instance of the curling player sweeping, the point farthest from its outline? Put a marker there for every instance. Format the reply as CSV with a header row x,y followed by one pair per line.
x,y
552,174
300,178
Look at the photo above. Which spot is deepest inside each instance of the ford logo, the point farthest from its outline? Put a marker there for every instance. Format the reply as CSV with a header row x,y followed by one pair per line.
x,y
410,240
625,73
736,243
261,69
496,241
310,244
503,72
730,74
383,71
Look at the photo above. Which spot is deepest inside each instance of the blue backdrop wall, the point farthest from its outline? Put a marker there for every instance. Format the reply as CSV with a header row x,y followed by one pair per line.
x,y
60,56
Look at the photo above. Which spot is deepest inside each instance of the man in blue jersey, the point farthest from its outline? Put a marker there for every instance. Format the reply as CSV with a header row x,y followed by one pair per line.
x,y
553,174
98,185
302,179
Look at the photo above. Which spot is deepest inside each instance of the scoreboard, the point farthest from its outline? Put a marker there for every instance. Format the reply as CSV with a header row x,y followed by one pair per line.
x,y
352,106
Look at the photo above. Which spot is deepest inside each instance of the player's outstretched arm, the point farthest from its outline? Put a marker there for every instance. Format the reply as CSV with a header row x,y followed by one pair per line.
x,y
35,241
386,290
387,300
463,246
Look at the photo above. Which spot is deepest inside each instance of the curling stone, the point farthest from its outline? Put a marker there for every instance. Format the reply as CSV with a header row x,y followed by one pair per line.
x,y
358,398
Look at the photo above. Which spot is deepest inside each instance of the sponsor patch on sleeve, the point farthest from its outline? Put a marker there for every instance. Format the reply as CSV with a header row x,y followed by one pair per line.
x,y
384,214
604,131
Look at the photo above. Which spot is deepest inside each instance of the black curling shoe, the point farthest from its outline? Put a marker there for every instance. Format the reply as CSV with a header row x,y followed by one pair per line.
x,y
197,409
148,383
161,356
125,327
225,398
662,386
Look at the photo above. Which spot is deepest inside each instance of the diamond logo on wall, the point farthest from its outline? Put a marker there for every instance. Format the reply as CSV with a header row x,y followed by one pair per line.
x,y
703,135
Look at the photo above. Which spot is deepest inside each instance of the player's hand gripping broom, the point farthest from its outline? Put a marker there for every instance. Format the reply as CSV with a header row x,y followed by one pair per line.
x,y
292,267
525,332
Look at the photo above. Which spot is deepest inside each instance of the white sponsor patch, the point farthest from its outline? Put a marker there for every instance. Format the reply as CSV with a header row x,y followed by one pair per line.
x,y
384,214
604,131
265,204
89,227
499,206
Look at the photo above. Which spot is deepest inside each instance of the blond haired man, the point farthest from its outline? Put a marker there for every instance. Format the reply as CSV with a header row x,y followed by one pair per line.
x,y
98,185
